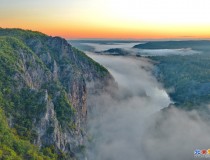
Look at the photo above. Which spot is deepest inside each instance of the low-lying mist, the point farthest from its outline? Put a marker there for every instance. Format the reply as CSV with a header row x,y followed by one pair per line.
x,y
117,124
128,47
175,135
166,52
134,124
101,46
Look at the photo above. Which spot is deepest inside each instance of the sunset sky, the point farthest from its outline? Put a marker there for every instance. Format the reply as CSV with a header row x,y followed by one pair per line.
x,y
118,19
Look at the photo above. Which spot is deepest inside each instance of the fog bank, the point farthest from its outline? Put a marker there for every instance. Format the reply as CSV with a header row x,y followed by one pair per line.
x,y
166,52
117,123
131,125
175,135
102,47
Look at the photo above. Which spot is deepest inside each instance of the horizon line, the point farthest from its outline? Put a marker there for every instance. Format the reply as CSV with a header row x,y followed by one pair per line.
x,y
136,40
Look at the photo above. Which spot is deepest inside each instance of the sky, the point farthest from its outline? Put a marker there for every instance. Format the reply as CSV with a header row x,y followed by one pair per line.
x,y
112,19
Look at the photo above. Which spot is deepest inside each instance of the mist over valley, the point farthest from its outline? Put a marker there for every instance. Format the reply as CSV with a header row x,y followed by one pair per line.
x,y
104,80
149,118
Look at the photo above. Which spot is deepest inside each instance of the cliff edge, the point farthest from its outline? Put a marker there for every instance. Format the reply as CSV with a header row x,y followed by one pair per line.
x,y
43,95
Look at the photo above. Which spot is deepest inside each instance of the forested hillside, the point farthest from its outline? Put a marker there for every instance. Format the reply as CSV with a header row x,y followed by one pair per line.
x,y
186,77
43,95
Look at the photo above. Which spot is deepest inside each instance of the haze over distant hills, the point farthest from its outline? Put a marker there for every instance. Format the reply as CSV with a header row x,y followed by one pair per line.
x,y
182,66
193,44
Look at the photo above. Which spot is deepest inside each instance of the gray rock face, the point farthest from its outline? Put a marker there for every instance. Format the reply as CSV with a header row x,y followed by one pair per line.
x,y
73,75
48,129
53,67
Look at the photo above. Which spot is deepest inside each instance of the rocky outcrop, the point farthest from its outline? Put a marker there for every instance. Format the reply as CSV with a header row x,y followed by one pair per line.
x,y
49,84
48,129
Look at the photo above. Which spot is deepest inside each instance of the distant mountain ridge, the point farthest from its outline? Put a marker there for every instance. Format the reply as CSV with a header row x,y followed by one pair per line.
x,y
43,96
193,44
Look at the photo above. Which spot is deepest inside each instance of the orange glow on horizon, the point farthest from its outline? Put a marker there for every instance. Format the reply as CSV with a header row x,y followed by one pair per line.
x,y
78,31
110,19
115,35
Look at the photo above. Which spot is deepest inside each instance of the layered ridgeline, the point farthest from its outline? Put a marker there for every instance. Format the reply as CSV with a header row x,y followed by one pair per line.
x,y
43,96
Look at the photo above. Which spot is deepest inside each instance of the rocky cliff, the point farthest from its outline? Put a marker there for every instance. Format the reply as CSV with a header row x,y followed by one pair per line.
x,y
43,93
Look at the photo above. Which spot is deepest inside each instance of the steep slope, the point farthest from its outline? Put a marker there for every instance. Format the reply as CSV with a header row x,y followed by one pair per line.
x,y
43,90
